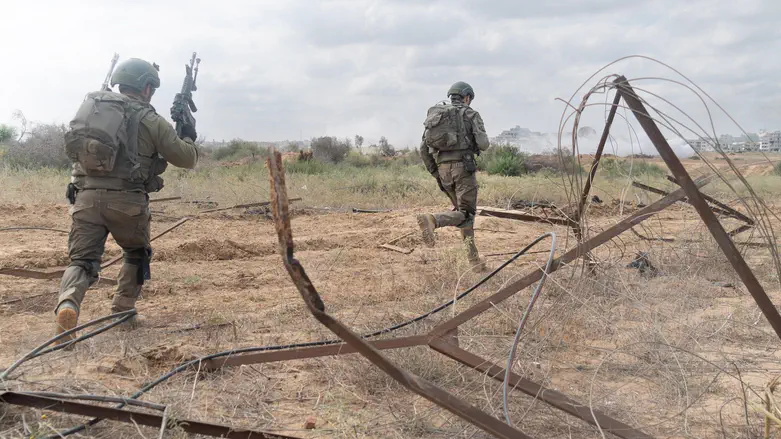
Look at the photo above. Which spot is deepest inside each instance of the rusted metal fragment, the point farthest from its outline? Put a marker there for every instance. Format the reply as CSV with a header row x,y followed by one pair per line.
x,y
310,352
597,157
134,416
316,306
396,248
552,397
506,292
645,187
696,199
243,206
521,216
732,212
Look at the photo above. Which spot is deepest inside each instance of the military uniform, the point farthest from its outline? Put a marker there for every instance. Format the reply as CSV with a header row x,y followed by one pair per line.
x,y
456,172
118,203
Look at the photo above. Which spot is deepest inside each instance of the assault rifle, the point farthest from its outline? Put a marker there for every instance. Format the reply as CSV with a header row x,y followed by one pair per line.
x,y
181,111
105,86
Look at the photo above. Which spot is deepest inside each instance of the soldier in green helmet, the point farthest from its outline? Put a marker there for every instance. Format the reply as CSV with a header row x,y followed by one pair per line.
x,y
119,146
454,134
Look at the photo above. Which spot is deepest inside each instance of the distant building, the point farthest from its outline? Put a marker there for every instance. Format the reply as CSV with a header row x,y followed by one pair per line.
x,y
701,145
744,143
516,135
770,142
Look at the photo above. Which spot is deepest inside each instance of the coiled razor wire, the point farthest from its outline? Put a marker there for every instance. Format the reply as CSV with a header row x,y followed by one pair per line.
x,y
522,323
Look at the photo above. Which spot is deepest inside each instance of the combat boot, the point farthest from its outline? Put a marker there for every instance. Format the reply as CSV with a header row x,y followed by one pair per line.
x,y
427,224
468,236
126,296
132,323
67,319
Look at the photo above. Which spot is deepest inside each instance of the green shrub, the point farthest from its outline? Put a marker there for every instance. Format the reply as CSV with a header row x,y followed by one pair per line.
x,y
777,168
330,149
359,160
7,133
308,167
618,168
43,147
503,160
238,149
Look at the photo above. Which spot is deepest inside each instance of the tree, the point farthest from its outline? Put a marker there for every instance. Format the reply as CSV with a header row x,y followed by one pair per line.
x,y
7,133
330,149
18,115
358,141
44,146
385,148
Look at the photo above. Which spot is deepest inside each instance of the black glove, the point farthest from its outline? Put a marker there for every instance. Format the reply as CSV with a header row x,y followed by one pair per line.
x,y
189,131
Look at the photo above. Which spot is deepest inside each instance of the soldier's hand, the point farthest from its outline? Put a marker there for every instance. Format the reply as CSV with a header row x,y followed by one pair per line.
x,y
189,131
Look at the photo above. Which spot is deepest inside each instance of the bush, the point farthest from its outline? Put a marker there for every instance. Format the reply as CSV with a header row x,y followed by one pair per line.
x,y
238,149
617,168
554,162
44,146
330,149
362,161
307,167
7,133
385,148
777,168
504,160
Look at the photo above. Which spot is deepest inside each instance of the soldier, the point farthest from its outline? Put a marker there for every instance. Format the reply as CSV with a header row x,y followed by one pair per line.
x,y
453,134
110,181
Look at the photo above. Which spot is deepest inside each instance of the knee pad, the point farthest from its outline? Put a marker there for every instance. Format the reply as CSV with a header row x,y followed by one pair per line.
x,y
91,267
469,220
140,258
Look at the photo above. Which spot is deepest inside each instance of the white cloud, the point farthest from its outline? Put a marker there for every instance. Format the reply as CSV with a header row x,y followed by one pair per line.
x,y
282,69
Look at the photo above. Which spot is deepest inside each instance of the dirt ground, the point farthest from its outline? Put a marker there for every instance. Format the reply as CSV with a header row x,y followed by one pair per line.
x,y
673,354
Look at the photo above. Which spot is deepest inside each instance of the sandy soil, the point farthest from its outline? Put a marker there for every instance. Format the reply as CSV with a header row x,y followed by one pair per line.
x,y
218,283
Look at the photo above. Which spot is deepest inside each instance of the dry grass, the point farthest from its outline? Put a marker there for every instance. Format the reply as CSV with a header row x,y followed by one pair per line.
x,y
677,355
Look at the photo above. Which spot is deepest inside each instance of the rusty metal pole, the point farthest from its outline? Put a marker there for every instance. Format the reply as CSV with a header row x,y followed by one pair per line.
x,y
571,255
597,158
576,228
312,298
728,210
549,396
133,416
699,203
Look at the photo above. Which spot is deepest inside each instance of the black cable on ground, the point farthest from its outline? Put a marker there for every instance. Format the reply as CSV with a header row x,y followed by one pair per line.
x,y
188,364
40,350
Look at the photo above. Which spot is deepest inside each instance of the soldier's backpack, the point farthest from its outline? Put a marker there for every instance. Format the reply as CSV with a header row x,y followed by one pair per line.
x,y
445,128
104,130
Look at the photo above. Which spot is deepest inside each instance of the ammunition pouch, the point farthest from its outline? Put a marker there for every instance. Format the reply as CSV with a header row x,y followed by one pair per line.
x,y
155,182
470,165
70,193
141,259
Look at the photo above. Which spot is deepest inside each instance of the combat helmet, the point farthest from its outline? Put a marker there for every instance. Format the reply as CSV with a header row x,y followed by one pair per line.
x,y
136,73
462,89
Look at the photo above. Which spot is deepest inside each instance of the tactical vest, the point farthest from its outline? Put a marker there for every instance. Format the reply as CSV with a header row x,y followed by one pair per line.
x,y
445,128
102,143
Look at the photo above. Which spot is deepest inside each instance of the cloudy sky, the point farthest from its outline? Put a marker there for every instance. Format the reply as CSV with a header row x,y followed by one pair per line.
x,y
292,69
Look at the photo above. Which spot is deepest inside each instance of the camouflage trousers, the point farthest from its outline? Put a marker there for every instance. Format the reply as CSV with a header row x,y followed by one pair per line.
x,y
95,214
461,187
